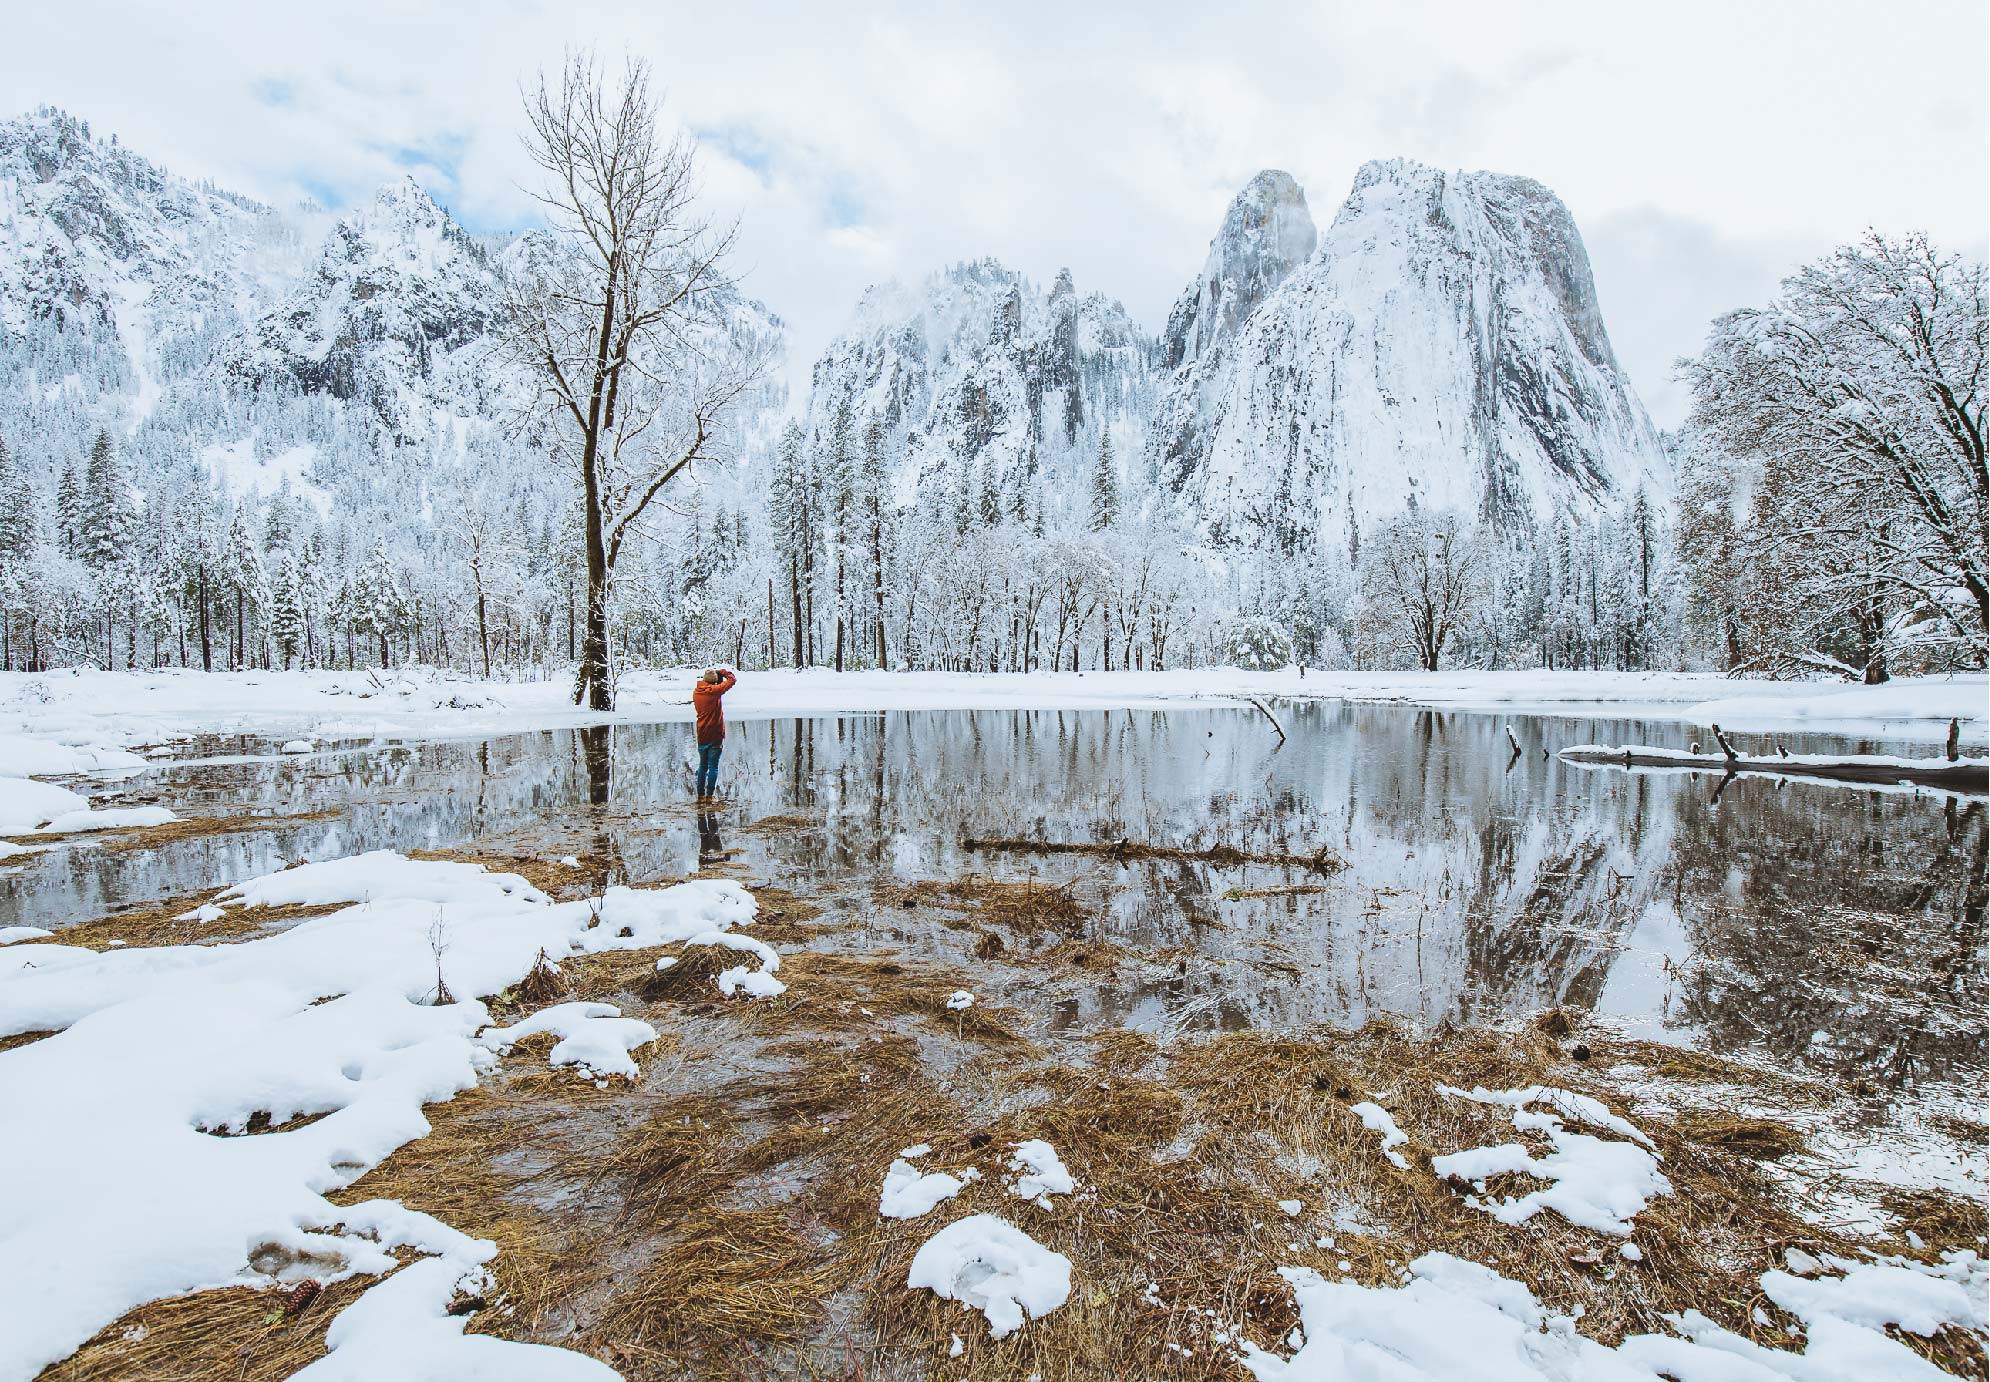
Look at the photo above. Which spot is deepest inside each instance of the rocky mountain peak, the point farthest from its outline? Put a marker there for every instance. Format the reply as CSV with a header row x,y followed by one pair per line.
x,y
1442,348
1267,232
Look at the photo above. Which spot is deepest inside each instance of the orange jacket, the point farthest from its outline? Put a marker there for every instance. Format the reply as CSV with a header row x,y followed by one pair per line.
x,y
705,697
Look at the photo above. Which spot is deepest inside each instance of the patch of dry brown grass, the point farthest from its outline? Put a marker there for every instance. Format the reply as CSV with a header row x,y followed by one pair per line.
x,y
156,923
1759,1139
1026,905
206,827
242,1333
781,825
1940,1219
830,992
497,1158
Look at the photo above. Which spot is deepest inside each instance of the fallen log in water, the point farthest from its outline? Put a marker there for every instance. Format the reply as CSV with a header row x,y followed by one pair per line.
x,y
1962,775
1322,860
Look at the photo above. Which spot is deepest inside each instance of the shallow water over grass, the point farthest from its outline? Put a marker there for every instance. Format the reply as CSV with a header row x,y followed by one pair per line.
x,y
1835,929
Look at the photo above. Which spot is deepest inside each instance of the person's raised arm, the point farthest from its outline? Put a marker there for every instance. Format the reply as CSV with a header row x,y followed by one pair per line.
x,y
726,680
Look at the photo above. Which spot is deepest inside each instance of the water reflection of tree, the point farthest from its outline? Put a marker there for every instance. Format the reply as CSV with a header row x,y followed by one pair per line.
x,y
1855,916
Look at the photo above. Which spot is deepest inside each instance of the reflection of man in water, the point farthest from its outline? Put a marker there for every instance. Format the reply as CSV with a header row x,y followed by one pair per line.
x,y
711,849
711,727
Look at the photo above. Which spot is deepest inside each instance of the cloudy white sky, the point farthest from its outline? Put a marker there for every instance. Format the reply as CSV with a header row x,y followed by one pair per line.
x,y
1704,148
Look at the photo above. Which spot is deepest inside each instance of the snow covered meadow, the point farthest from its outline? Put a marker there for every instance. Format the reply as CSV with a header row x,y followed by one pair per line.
x,y
435,1095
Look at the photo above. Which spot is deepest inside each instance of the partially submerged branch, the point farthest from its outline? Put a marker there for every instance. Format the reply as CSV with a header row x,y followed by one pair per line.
x,y
1962,775
1276,726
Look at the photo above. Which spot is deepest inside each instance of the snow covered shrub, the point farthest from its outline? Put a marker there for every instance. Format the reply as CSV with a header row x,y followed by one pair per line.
x,y
1257,643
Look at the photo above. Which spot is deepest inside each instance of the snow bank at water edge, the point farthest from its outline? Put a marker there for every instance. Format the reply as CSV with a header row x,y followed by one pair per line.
x,y
30,807
132,1177
86,712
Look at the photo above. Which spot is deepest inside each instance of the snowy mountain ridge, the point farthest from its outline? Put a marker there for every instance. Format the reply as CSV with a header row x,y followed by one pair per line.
x,y
1439,345
392,317
978,377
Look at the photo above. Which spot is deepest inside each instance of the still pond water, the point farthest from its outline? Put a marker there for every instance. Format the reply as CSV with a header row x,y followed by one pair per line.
x,y
1838,929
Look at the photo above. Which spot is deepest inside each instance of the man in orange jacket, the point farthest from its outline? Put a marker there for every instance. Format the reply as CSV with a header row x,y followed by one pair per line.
x,y
711,727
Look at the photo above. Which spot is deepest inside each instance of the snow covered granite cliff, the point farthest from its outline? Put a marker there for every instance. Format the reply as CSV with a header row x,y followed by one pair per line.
x,y
1442,347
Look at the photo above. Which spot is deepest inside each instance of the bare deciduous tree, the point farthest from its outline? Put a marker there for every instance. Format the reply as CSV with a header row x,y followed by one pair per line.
x,y
620,317
1425,578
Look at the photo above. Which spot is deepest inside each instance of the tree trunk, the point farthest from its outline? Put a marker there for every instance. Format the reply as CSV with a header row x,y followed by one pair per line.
x,y
592,684
795,599
483,631
206,643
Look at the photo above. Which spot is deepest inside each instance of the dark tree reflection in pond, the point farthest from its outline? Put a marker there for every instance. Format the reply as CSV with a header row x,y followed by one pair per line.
x,y
597,748
1836,927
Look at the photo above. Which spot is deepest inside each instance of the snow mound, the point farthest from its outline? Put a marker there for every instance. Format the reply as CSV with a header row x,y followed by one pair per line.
x,y
1041,1173
593,1036
402,1328
907,1194
26,804
1456,1319
1597,1184
298,746
113,818
990,1265
960,1001
1377,1119
383,874
10,934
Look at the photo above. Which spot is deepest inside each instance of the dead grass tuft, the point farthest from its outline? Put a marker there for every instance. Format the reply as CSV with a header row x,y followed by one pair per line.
x,y
1940,1219
545,983
723,1281
781,825
695,975
1760,1139
1026,905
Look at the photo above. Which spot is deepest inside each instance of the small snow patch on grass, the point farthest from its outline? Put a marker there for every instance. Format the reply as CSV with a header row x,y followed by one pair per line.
x,y
990,1265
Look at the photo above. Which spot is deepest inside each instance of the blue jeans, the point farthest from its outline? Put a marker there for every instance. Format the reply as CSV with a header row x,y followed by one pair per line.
x,y
708,767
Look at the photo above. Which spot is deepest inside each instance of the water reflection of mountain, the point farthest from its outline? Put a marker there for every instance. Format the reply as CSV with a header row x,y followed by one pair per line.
x,y
1480,884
